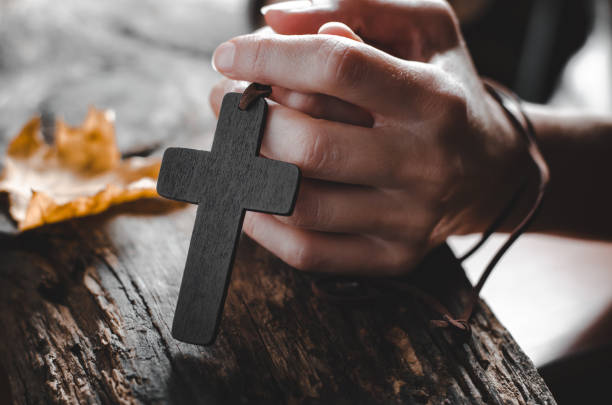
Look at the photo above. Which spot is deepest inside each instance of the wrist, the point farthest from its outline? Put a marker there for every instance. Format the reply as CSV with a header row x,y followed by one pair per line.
x,y
507,169
576,145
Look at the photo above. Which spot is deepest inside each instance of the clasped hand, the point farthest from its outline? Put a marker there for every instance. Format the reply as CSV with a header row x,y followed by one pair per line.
x,y
379,104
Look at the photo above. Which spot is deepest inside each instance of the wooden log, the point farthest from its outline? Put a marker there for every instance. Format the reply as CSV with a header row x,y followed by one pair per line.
x,y
87,307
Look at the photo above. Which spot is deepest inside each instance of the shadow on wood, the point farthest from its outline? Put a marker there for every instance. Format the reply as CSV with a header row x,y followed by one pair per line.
x,y
5,388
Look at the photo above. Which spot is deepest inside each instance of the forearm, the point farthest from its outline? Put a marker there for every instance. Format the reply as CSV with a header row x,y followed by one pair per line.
x,y
578,149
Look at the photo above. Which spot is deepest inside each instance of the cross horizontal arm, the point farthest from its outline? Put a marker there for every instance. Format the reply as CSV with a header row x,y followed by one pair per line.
x,y
180,174
273,187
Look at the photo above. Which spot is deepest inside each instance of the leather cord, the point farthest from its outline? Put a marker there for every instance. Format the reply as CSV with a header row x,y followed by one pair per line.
x,y
252,93
512,106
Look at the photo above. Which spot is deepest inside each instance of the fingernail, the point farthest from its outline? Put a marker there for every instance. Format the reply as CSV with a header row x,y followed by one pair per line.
x,y
223,58
287,6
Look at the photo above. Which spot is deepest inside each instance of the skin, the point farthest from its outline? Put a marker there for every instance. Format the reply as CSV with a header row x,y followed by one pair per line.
x,y
379,104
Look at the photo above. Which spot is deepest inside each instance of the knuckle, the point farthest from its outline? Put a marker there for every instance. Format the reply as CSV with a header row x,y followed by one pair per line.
x,y
302,256
309,104
307,212
344,63
404,257
401,261
260,57
315,150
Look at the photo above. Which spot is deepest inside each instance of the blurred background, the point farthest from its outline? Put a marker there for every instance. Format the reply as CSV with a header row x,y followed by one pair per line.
x,y
149,60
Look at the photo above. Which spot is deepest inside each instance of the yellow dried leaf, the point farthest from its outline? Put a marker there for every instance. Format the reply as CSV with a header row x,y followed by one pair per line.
x,y
80,174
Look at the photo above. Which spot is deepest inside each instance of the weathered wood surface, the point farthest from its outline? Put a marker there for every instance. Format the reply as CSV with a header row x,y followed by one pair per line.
x,y
86,306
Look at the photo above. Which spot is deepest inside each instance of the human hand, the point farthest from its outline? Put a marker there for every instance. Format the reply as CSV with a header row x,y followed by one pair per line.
x,y
400,146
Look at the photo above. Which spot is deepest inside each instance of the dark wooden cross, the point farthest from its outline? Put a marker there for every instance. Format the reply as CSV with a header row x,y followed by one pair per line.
x,y
224,182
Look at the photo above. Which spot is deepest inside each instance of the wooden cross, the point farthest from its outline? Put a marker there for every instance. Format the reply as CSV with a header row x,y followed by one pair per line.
x,y
224,182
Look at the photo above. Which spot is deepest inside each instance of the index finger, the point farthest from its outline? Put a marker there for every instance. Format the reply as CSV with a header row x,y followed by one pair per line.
x,y
326,64
331,151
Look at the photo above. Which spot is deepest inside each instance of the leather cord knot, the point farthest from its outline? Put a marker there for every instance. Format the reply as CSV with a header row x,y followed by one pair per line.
x,y
252,93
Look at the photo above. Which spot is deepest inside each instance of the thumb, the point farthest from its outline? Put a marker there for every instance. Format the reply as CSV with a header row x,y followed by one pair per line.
x,y
390,25
300,17
339,29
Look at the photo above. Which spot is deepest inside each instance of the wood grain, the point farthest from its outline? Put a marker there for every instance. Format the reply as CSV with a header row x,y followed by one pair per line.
x,y
88,304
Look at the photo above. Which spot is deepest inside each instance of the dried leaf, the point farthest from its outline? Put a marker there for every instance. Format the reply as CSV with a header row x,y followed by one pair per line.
x,y
80,174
